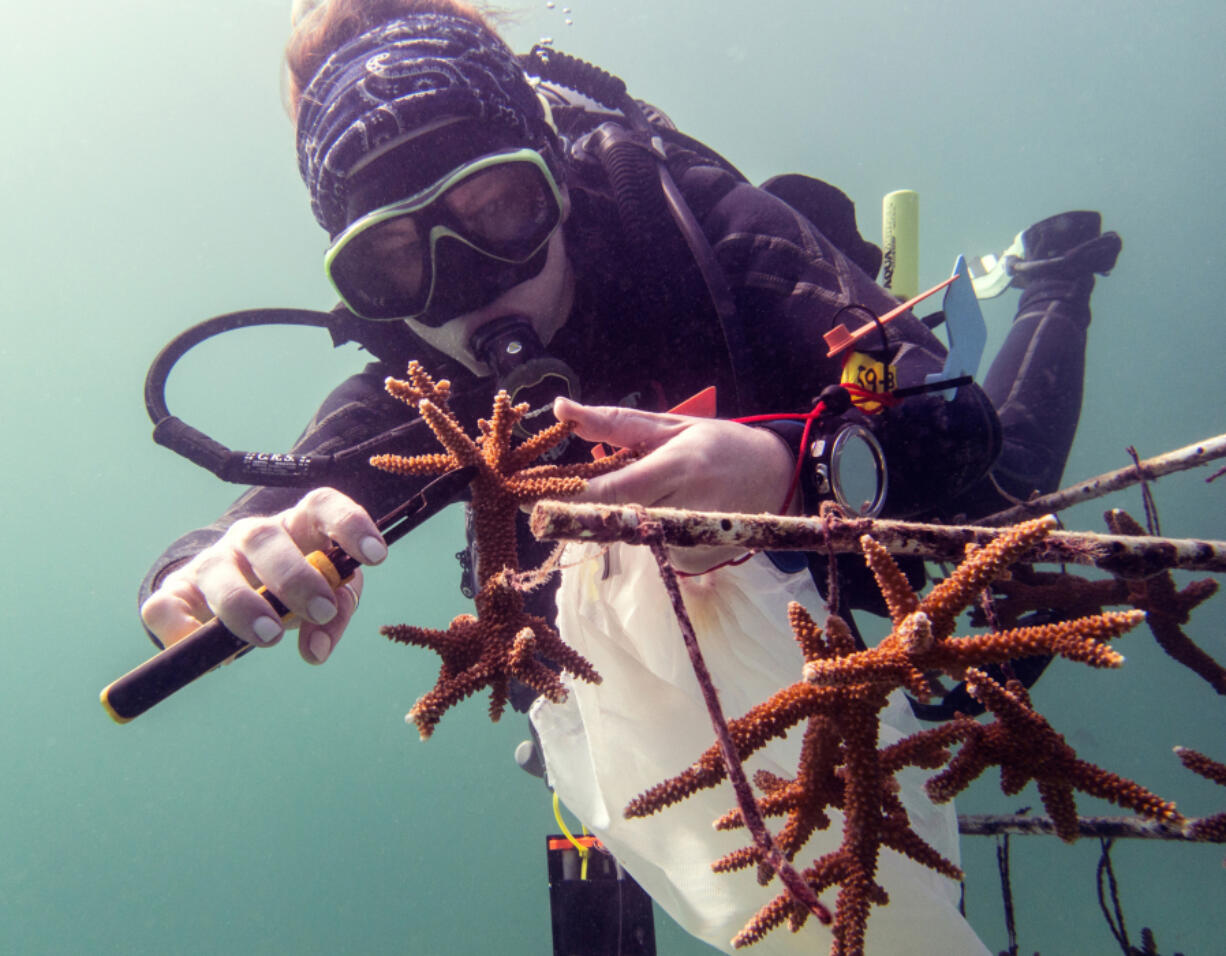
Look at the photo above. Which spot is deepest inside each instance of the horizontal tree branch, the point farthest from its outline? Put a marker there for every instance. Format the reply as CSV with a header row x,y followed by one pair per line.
x,y
985,824
1134,556
1181,459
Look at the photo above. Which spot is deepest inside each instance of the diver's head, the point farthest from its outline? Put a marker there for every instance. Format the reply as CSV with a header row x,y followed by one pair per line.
x,y
482,240
432,163
406,78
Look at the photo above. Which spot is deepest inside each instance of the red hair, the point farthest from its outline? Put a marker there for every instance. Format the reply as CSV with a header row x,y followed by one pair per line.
x,y
335,22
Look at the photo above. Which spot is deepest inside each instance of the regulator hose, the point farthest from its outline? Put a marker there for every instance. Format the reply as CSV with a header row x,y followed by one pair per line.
x,y
587,78
243,467
647,196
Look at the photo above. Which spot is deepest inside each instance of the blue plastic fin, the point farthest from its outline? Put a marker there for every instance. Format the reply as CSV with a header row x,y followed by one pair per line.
x,y
967,331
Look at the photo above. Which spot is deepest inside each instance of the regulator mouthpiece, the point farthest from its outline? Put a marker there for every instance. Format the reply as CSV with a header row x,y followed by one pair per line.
x,y
511,347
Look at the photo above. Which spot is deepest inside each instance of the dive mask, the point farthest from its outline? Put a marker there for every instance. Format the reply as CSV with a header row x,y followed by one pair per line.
x,y
453,247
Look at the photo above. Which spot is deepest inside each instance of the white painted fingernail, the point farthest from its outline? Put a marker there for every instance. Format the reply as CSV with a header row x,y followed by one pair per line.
x,y
267,628
373,550
321,609
320,645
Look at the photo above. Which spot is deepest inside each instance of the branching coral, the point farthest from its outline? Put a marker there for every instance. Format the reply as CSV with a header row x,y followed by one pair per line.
x,y
841,698
502,641
1025,747
1209,829
1167,609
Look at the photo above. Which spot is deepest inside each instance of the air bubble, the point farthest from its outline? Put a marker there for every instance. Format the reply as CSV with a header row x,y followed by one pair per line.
x,y
569,22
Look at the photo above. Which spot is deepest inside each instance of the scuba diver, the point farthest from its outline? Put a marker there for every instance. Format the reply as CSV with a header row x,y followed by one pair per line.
x,y
406,110
585,255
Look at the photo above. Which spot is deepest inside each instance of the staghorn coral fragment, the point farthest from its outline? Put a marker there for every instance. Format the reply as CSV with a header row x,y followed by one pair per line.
x,y
1210,829
900,598
749,734
1023,744
1082,640
502,641
1201,765
1169,608
840,700
921,640
959,591
840,767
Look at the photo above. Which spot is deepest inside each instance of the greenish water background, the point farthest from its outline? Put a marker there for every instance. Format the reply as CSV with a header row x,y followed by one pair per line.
x,y
148,180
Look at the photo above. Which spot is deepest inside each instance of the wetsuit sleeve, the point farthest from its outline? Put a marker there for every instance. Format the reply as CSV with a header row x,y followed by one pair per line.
x,y
790,286
356,411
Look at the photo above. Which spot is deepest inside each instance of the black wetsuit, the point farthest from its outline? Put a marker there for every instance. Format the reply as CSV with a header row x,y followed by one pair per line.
x,y
643,333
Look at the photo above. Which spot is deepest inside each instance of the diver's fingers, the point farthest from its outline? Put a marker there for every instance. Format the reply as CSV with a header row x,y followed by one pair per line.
x,y
325,515
174,610
625,427
648,482
317,641
709,465
261,549
225,579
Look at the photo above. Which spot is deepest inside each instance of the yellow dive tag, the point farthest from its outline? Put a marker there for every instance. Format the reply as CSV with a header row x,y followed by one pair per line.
x,y
871,375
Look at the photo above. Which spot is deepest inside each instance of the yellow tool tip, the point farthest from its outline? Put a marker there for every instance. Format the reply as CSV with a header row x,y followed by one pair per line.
x,y
106,705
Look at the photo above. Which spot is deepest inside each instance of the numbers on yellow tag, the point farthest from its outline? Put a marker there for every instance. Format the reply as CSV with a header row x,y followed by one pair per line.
x,y
871,375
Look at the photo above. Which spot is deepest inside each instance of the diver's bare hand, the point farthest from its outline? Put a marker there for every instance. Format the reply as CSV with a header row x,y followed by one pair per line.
x,y
223,579
705,464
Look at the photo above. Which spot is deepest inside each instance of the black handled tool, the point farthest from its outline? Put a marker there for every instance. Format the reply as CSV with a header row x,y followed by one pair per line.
x,y
211,644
